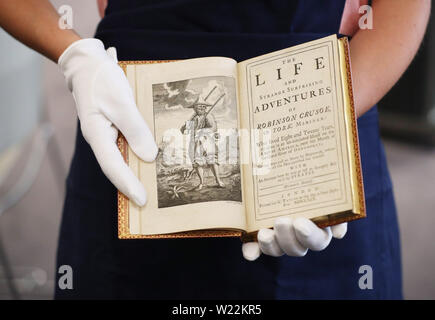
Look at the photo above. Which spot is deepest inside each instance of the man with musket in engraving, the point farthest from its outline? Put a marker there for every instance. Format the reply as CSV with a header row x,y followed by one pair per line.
x,y
202,147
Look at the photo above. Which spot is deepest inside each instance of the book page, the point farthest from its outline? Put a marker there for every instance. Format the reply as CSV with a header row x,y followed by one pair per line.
x,y
292,102
191,107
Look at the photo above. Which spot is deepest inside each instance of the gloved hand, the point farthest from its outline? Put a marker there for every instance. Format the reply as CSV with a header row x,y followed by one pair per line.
x,y
105,103
292,237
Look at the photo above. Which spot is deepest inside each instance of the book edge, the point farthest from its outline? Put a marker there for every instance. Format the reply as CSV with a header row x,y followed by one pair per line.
x,y
357,181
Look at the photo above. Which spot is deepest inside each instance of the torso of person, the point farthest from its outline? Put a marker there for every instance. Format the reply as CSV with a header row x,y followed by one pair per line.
x,y
349,20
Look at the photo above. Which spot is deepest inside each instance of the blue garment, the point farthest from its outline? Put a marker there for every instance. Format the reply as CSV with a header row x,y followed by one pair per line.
x,y
105,267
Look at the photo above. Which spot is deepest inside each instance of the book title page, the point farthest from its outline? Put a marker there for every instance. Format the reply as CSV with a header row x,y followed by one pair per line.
x,y
292,102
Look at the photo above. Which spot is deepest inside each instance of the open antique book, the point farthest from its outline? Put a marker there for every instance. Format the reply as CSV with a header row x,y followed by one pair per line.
x,y
241,144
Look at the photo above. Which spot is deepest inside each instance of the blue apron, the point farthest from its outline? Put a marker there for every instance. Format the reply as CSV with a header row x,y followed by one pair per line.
x,y
105,267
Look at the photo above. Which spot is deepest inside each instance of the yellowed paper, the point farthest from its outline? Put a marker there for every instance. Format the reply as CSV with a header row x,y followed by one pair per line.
x,y
295,95
167,209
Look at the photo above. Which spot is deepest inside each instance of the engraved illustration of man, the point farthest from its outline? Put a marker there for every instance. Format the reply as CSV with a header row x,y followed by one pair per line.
x,y
203,149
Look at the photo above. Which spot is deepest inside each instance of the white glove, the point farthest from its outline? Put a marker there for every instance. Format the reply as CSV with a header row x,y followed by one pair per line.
x,y
105,103
292,237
